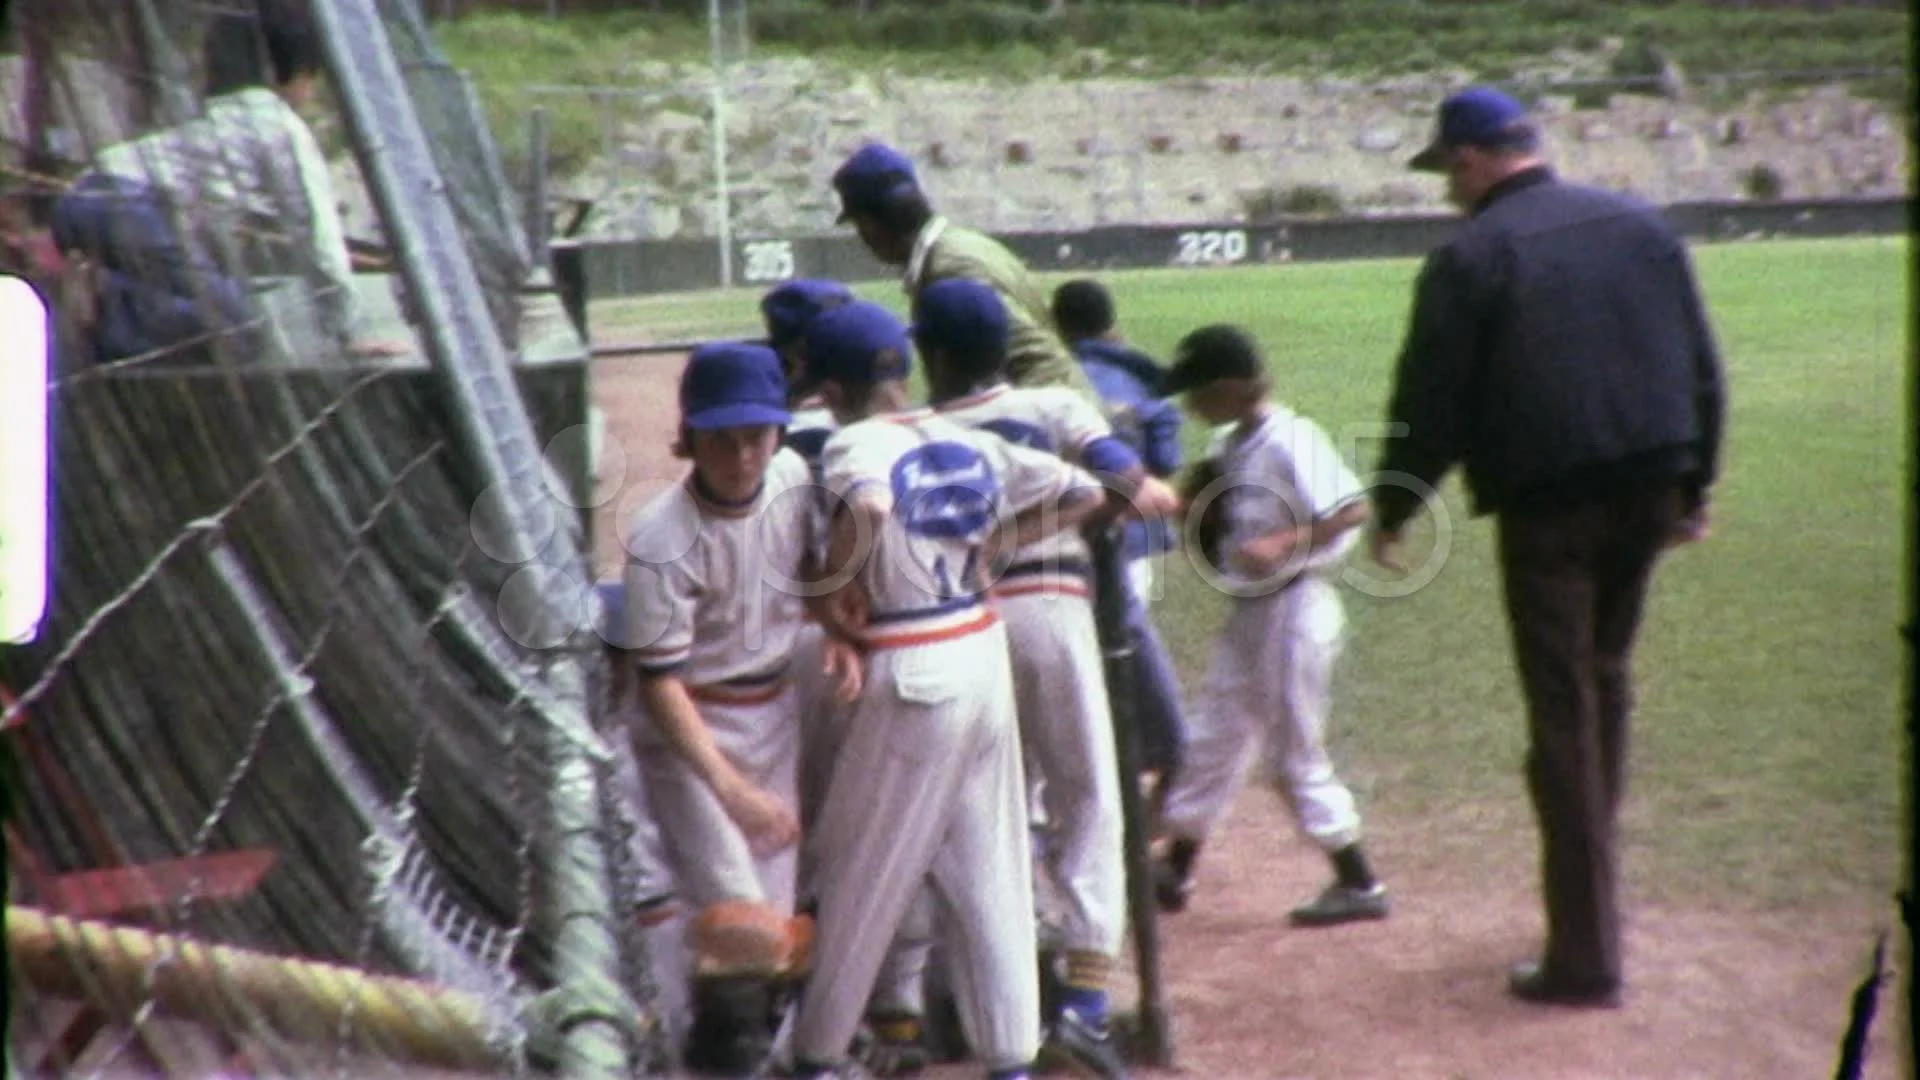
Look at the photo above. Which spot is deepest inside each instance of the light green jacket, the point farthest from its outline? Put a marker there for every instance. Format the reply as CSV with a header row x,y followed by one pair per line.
x,y
1036,354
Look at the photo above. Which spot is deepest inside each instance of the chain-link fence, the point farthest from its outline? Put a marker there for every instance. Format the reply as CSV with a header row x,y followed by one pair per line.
x,y
302,769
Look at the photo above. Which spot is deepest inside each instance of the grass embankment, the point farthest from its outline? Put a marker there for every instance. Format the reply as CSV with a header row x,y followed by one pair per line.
x,y
1496,41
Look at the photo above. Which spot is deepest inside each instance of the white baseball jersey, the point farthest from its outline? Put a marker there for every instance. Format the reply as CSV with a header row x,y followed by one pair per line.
x,y
928,788
1268,684
1054,420
710,600
1285,471
1059,675
710,588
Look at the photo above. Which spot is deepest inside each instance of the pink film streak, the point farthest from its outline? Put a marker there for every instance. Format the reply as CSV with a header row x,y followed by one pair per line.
x,y
24,481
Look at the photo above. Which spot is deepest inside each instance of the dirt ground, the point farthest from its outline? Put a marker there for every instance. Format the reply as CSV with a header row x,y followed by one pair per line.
x,y
640,410
1711,994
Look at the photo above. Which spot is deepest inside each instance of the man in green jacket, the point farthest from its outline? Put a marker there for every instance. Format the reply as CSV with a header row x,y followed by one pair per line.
x,y
881,195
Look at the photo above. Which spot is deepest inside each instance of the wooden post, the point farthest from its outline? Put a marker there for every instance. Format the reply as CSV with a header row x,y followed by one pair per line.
x,y
117,969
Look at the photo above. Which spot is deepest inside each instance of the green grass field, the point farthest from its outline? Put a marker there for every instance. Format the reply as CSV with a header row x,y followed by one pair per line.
x,y
1767,760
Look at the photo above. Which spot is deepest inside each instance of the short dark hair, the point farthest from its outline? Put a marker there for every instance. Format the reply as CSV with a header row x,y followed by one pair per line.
x,y
271,47
1082,309
967,368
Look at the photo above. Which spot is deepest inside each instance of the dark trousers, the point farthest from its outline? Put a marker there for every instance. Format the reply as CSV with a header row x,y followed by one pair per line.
x,y
1576,579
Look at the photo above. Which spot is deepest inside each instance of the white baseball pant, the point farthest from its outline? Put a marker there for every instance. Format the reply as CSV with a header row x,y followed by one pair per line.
x,y
821,721
1268,682
1066,725
653,879
928,789
712,860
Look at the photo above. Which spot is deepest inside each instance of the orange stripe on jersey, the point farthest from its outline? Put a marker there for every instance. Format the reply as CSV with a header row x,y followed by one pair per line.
x,y
910,638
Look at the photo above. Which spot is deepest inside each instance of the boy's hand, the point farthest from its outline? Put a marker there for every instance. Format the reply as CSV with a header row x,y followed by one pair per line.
x,y
769,825
843,664
848,605
1386,550
1691,529
1263,555
1154,500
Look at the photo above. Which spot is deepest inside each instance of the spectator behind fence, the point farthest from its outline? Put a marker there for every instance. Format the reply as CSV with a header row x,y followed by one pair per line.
x,y
250,153
131,287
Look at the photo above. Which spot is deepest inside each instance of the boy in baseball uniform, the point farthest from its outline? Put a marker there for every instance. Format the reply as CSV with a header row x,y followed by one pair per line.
x,y
712,614
928,789
788,309
1044,596
891,1041
1291,511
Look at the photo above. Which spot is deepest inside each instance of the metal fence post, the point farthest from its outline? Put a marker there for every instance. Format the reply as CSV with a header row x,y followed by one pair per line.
x,y
539,233
722,203
495,435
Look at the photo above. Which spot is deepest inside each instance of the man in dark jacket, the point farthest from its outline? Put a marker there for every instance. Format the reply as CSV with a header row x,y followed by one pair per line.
x,y
1558,353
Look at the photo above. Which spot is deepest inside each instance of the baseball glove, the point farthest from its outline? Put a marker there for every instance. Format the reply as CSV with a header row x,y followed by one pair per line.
x,y
739,937
1206,530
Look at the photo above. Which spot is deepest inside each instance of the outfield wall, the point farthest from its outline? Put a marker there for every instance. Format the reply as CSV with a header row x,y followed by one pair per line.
x,y
642,267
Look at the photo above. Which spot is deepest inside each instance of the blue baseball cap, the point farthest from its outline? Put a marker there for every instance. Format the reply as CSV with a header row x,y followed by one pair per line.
x,y
859,343
1477,116
733,384
962,317
791,306
868,177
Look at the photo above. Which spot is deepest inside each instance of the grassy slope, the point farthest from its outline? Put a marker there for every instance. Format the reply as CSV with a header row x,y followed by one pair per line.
x,y
1492,39
1766,756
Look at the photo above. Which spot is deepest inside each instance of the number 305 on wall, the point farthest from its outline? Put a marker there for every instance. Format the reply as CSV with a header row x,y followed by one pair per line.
x,y
767,261
1210,247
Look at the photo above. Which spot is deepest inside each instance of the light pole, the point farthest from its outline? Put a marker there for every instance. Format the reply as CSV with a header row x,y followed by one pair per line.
x,y
722,205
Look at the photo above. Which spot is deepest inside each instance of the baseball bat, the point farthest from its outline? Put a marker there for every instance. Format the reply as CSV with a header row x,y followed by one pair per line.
x,y
1155,1035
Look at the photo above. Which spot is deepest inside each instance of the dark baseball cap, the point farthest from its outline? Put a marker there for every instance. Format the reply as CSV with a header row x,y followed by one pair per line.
x,y
1210,354
1477,116
870,176
791,306
966,318
860,344
733,384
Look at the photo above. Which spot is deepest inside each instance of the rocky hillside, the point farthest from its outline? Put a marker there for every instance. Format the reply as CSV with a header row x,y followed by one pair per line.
x,y
1080,152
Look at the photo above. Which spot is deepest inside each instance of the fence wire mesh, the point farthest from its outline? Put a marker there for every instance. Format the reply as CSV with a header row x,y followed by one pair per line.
x,y
279,775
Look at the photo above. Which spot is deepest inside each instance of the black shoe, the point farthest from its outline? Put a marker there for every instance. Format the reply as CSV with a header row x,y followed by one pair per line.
x,y
730,1035
1087,1043
1531,982
1338,904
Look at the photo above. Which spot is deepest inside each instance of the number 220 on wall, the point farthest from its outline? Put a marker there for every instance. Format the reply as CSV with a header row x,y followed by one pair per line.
x,y
1210,247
